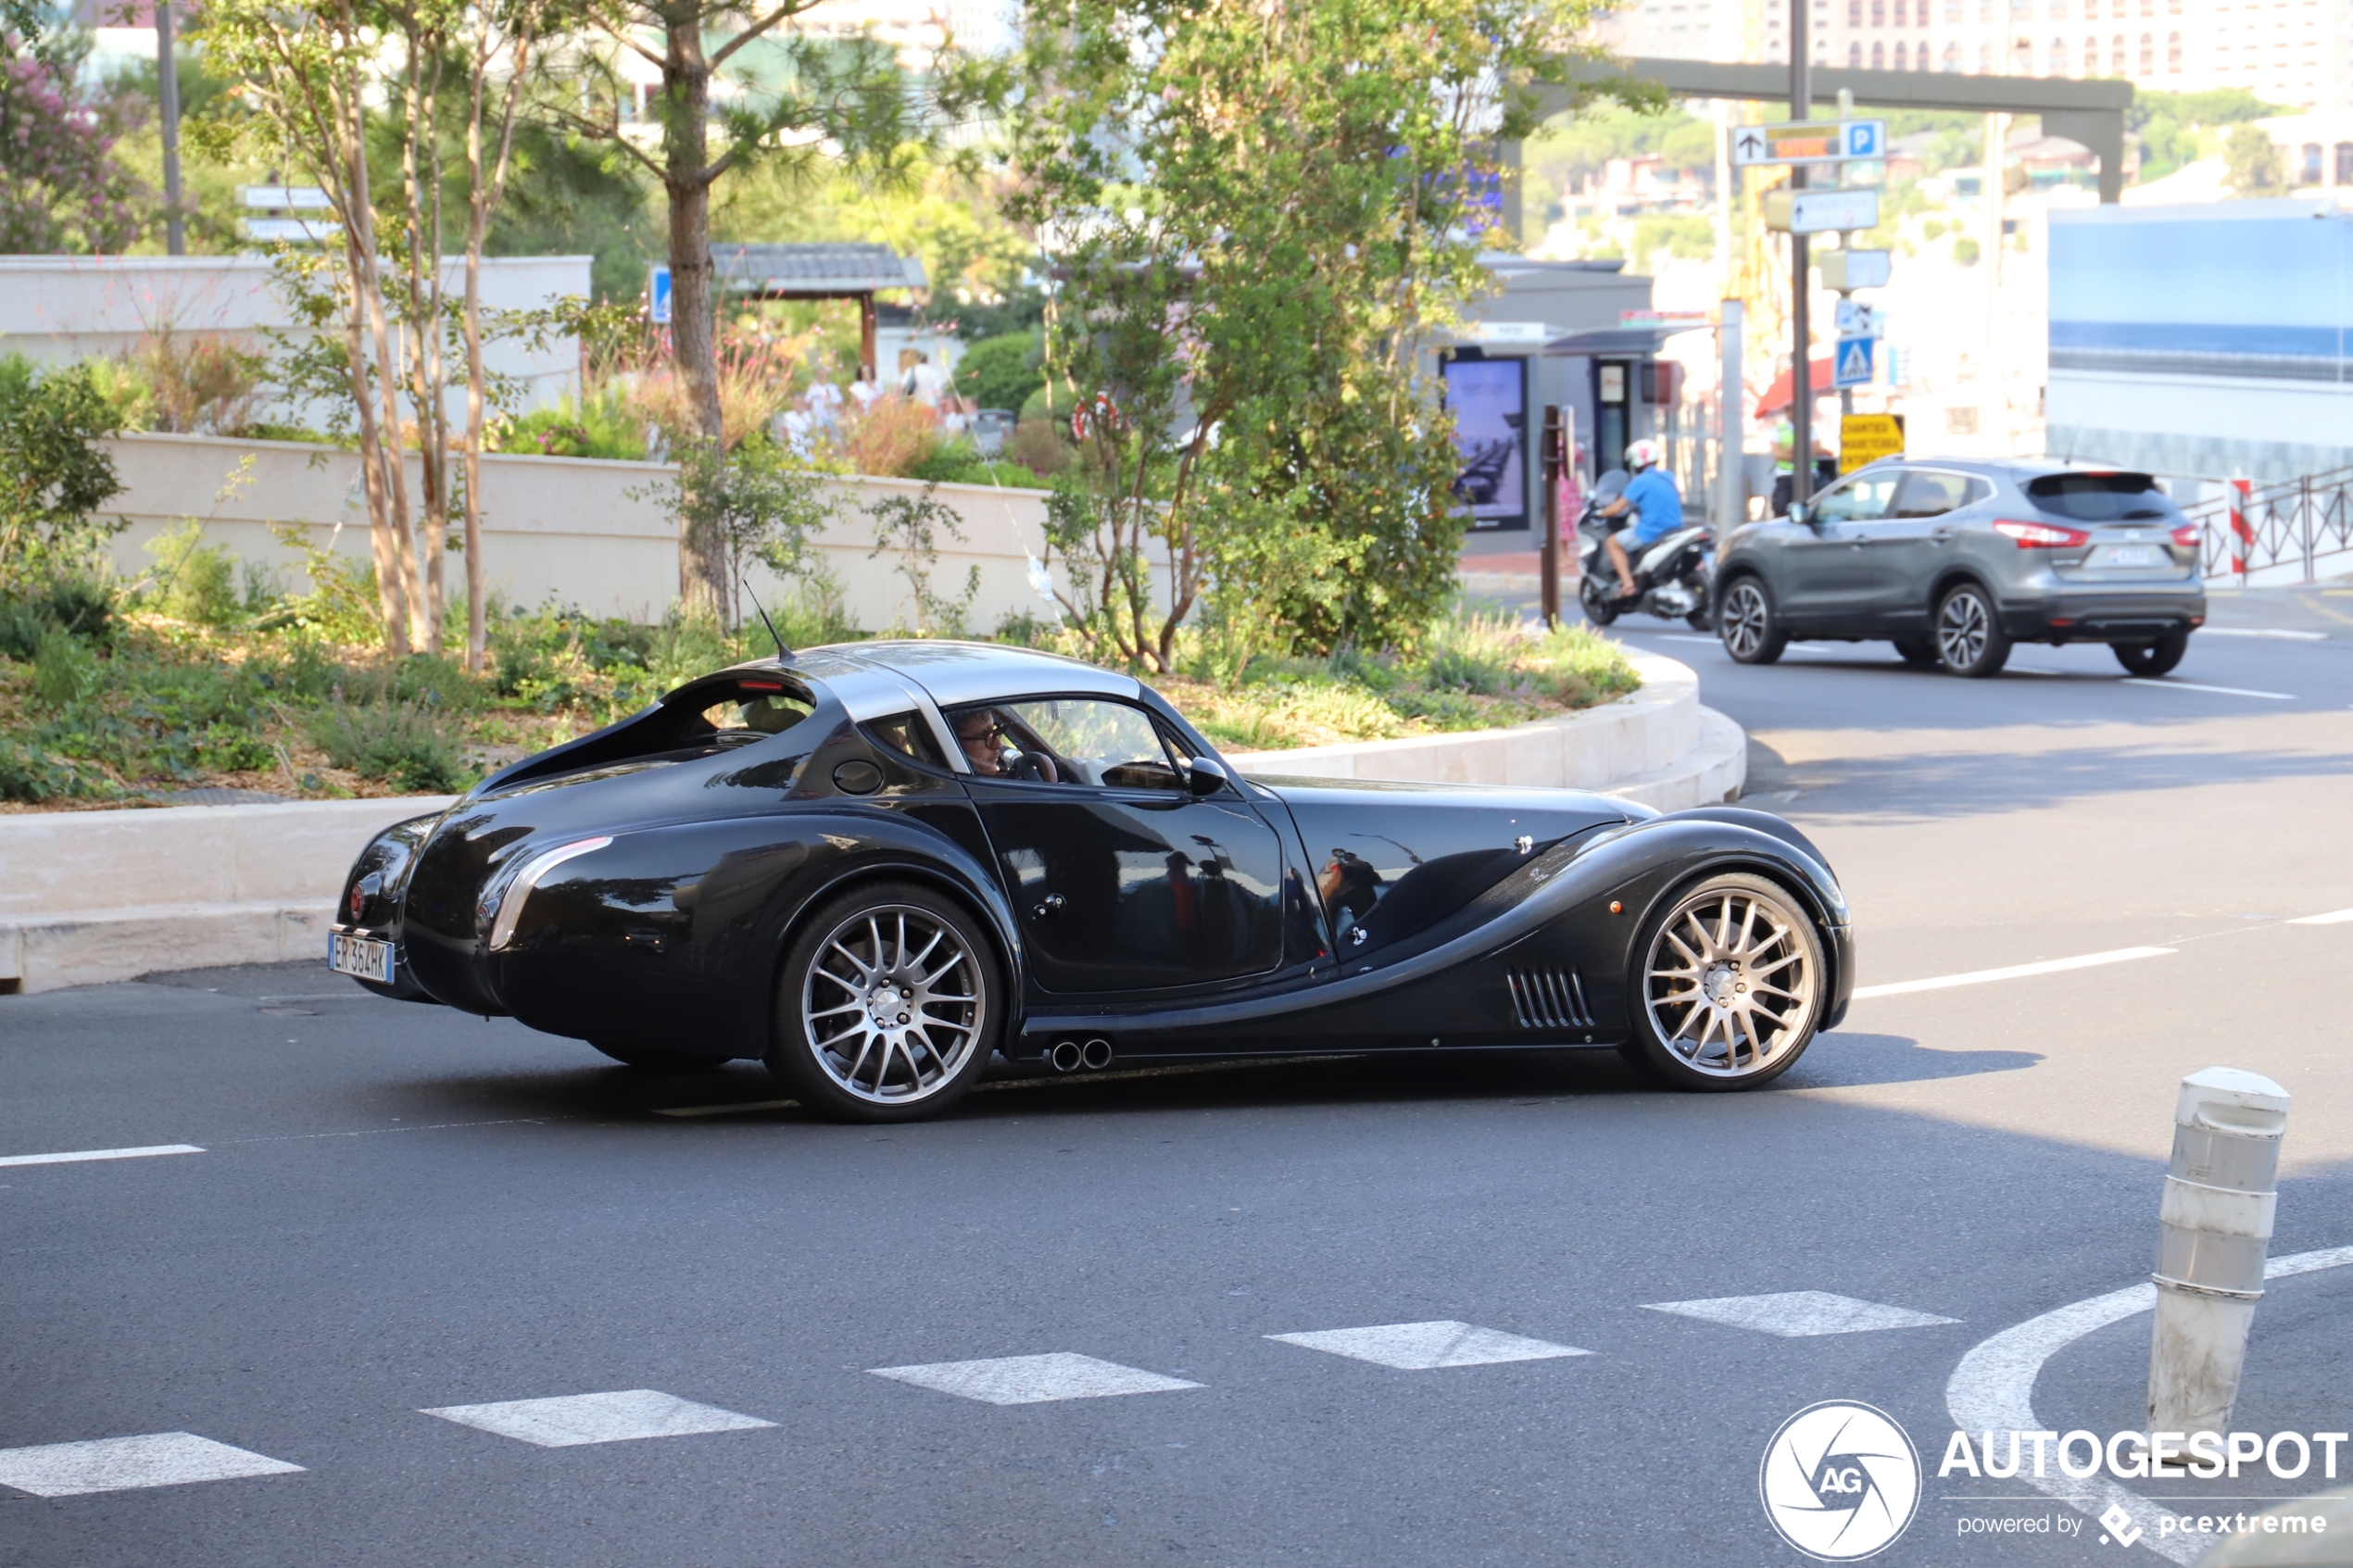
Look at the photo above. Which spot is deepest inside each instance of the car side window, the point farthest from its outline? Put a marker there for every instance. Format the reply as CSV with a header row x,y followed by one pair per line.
x,y
1860,499
1065,740
754,711
910,736
1927,493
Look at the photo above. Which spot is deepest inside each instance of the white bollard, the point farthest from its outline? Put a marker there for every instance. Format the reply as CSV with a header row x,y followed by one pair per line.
x,y
2214,1228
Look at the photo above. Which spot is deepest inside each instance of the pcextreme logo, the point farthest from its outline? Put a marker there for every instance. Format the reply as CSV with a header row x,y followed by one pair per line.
x,y
1840,1481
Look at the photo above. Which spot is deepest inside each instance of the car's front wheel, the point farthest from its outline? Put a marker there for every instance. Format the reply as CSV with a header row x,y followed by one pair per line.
x,y
2153,659
1970,639
888,1005
1744,620
1729,985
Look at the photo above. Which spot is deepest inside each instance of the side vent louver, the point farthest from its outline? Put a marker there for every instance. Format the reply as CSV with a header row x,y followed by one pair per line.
x,y
1549,999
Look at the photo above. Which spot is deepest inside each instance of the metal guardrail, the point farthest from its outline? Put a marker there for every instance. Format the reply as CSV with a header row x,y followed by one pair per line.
x,y
2296,526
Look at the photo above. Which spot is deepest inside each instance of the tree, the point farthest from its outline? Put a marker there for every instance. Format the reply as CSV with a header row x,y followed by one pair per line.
x,y
1266,216
60,188
54,476
790,101
2255,165
750,503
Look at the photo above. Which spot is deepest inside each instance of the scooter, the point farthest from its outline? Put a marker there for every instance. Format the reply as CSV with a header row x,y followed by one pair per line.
x,y
1670,577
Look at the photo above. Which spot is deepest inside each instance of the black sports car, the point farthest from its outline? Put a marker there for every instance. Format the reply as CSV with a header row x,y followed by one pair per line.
x,y
880,865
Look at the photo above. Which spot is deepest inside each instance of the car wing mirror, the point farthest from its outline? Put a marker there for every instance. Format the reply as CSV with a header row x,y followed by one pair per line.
x,y
1205,777
1797,514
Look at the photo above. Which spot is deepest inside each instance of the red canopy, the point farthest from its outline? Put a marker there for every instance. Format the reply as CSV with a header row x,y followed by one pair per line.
x,y
1777,396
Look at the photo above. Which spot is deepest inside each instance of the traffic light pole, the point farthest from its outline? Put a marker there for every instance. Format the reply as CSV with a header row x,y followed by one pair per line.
x,y
1800,423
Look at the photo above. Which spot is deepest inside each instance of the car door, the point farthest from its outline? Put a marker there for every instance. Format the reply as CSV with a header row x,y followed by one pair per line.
x,y
1905,549
1826,569
1123,879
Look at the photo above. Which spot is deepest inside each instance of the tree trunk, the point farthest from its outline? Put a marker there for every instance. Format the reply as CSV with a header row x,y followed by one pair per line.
x,y
387,513
702,568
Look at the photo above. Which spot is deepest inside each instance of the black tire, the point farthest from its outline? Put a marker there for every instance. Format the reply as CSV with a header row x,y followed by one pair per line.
x,y
1970,639
1751,630
1599,606
1723,910
935,1019
1917,650
655,1058
2153,659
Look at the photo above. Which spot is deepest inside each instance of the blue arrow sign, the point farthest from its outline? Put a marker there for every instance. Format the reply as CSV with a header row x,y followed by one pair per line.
x,y
1852,364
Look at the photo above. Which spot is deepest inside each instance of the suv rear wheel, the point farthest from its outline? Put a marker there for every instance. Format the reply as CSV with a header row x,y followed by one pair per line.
x,y
1969,640
2153,659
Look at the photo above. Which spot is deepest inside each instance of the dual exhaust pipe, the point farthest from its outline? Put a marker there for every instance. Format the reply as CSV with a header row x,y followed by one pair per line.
x,y
1069,1056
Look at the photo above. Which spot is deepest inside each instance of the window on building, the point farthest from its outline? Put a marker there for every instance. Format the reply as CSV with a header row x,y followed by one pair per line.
x,y
1853,13
2054,61
2173,54
1878,57
2058,10
1854,57
2091,56
2311,164
2149,56
2345,163
1902,13
1878,13
1952,10
1920,55
1953,59
1903,56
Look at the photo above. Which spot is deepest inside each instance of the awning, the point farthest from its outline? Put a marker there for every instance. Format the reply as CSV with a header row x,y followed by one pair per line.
x,y
813,271
1622,342
1777,395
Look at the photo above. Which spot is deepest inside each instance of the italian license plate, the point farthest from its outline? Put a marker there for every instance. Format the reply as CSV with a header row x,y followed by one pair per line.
x,y
2132,554
364,957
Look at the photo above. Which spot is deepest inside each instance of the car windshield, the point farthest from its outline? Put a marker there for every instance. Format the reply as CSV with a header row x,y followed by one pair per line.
x,y
2102,497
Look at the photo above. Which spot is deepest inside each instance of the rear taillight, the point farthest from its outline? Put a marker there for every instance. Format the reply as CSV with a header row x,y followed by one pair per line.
x,y
2186,536
2041,535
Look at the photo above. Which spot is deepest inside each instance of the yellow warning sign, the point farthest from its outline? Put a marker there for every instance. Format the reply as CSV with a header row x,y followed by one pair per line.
x,y
1866,438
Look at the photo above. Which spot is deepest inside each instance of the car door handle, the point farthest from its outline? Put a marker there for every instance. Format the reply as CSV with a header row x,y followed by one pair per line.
x,y
1941,536
1048,907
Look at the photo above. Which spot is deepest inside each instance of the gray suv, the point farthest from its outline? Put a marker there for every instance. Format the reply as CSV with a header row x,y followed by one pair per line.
x,y
1953,560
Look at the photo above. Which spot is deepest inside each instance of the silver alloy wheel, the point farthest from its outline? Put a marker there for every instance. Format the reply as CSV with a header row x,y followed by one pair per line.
x,y
1729,985
894,1004
1963,626
1744,619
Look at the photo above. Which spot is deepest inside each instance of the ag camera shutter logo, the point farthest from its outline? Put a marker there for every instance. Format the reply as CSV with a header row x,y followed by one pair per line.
x,y
1840,1481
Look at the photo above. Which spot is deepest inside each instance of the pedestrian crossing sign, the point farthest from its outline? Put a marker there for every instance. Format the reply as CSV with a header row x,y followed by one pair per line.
x,y
1853,366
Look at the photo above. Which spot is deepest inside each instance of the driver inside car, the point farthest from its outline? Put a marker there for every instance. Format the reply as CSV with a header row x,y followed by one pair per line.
x,y
993,745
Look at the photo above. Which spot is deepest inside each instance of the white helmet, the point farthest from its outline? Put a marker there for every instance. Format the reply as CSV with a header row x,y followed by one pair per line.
x,y
1643,455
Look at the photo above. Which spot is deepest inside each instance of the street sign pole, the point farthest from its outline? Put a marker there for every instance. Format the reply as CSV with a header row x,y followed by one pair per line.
x,y
1845,394
1554,452
1801,106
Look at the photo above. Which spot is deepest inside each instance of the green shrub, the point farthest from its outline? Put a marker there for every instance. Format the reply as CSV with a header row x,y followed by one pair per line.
x,y
65,671
401,742
1001,372
29,773
81,606
194,581
602,426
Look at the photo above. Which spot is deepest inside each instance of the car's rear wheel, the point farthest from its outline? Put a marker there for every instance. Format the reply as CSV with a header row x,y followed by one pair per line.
x,y
656,1059
1728,987
1970,639
1917,650
1750,631
888,1007
2153,659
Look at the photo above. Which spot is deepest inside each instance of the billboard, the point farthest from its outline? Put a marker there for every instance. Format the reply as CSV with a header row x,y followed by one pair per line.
x,y
1489,399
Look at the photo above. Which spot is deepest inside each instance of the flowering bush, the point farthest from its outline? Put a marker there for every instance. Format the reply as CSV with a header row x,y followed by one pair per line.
x,y
59,189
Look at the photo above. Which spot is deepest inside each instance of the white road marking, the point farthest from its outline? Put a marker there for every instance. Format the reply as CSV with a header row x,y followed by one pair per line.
x,y
2193,686
121,1464
2335,916
576,1419
1418,1347
2265,632
2015,972
1800,1314
1031,1380
729,1109
70,1156
1687,637
1993,1390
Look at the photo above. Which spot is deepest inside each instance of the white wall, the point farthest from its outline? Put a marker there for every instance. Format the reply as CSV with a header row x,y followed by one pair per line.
x,y
593,534
64,307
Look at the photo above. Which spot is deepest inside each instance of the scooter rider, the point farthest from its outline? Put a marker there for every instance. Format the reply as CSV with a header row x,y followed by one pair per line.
x,y
1652,494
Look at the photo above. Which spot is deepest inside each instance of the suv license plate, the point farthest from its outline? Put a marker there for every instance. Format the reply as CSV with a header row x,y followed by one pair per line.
x,y
364,957
2133,554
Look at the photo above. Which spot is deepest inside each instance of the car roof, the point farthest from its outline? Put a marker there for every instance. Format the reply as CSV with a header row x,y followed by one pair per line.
x,y
2017,469
952,673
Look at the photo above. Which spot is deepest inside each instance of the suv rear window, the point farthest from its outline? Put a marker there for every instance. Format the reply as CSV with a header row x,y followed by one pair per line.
x,y
2102,497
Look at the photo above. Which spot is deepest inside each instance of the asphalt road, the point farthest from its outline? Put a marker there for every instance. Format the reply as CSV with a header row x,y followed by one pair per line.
x,y
398,1210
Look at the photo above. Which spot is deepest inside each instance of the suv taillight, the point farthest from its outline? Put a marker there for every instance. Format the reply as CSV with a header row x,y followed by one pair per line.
x,y
2041,535
2187,536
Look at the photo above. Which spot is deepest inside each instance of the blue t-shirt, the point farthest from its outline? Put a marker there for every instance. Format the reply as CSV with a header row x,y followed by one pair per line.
x,y
1652,492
